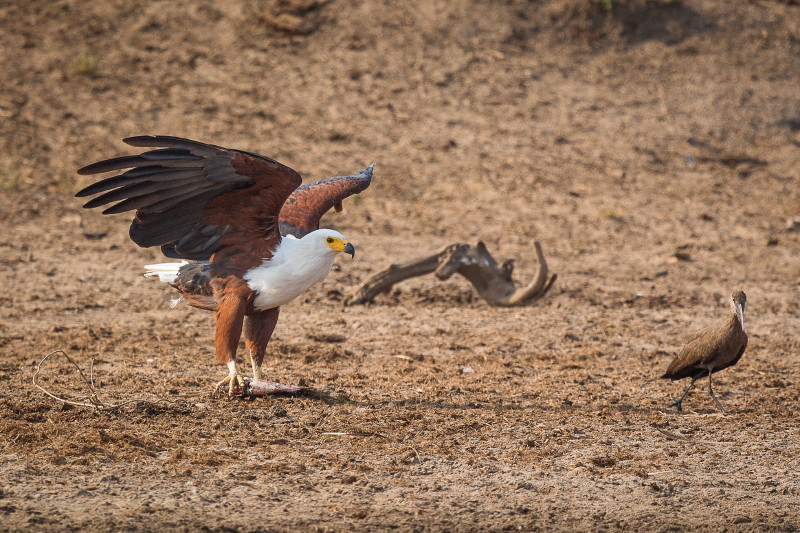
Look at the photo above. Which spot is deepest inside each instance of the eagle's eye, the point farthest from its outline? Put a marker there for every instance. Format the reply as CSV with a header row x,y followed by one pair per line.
x,y
330,240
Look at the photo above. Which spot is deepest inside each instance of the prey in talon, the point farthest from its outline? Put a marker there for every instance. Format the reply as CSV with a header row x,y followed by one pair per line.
x,y
245,229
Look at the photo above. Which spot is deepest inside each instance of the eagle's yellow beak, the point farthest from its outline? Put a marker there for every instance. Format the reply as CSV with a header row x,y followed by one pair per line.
x,y
340,245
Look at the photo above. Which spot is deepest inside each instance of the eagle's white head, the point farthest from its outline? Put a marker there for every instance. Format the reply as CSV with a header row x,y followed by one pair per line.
x,y
329,241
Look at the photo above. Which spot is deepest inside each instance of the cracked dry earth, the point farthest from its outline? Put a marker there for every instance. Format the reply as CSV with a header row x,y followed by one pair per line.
x,y
654,150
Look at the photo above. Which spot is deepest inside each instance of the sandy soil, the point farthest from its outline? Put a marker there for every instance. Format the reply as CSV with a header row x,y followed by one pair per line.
x,y
617,139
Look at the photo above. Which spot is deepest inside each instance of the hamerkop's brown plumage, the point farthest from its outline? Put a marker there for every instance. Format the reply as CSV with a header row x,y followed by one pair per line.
x,y
711,350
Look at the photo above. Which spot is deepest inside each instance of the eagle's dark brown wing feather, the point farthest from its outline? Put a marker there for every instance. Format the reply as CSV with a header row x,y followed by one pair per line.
x,y
303,210
196,200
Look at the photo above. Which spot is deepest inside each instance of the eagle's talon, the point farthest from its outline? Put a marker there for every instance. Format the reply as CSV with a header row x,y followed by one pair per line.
x,y
232,380
218,387
236,382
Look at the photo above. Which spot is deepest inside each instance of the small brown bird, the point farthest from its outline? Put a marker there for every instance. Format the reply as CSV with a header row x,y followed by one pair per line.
x,y
711,350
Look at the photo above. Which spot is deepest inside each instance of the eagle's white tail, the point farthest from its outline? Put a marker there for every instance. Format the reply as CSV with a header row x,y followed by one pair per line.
x,y
166,272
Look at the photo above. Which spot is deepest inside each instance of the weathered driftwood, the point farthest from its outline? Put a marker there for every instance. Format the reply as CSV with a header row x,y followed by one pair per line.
x,y
493,282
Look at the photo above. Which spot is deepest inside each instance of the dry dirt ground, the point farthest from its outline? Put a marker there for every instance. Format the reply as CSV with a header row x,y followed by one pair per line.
x,y
621,139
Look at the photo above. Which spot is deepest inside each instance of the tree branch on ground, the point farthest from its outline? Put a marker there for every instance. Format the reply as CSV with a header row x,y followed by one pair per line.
x,y
493,282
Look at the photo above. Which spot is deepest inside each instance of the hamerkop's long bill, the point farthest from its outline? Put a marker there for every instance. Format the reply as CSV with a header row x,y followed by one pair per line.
x,y
711,350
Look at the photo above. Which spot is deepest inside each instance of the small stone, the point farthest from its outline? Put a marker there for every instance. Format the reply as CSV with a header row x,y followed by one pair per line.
x,y
72,219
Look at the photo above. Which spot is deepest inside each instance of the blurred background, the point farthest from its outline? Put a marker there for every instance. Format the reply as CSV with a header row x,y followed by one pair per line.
x,y
599,111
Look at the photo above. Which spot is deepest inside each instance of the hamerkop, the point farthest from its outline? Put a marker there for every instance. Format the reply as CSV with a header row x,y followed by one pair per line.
x,y
710,350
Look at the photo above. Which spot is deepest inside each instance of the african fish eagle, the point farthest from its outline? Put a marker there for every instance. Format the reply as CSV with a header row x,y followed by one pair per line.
x,y
247,230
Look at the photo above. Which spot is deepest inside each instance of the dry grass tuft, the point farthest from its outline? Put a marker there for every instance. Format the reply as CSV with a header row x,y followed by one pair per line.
x,y
87,65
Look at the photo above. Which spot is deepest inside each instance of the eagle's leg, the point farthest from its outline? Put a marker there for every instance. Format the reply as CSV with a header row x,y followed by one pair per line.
x,y
258,328
230,317
233,379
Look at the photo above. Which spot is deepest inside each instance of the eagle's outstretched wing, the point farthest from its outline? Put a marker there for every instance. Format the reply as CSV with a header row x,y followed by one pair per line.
x,y
197,200
305,207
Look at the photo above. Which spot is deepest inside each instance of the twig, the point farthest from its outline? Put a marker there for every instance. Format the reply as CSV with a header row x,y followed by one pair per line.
x,y
673,436
95,404
353,434
416,454
93,400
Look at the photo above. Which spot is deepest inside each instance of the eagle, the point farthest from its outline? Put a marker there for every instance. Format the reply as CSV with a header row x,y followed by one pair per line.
x,y
245,228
